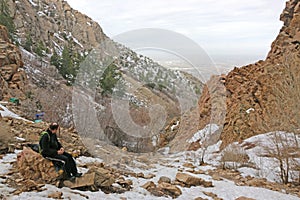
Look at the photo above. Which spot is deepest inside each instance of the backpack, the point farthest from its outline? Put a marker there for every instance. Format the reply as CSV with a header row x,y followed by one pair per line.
x,y
34,147
42,134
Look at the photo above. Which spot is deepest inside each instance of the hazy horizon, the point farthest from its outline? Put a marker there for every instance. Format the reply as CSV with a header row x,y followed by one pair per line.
x,y
229,28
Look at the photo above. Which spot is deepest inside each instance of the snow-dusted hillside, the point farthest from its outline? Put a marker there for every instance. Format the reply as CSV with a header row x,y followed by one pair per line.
x,y
137,71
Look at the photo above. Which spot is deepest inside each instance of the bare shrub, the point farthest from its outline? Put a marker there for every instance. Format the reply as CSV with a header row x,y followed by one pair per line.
x,y
284,148
234,157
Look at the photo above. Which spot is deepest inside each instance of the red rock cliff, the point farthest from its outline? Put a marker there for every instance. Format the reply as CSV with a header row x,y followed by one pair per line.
x,y
12,75
264,96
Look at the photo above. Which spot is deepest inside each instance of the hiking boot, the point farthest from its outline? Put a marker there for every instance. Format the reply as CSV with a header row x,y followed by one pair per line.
x,y
78,174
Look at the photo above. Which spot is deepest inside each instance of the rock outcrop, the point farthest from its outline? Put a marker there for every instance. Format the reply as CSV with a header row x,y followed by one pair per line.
x,y
12,76
55,24
264,96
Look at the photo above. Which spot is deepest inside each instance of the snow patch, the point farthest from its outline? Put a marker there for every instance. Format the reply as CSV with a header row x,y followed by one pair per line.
x,y
77,42
40,14
4,112
174,126
249,110
85,160
212,155
32,3
154,140
58,48
19,138
74,39
203,133
58,37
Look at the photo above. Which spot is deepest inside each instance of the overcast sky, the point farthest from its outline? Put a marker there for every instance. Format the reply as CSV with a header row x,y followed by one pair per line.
x,y
228,27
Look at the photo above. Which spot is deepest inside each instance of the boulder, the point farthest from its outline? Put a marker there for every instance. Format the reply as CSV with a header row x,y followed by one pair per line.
x,y
189,165
164,179
149,185
199,198
149,176
162,189
83,181
212,195
33,166
169,189
55,195
127,184
244,198
103,177
189,180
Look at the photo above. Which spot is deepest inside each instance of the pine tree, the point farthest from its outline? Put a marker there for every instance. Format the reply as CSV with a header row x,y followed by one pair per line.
x,y
40,49
55,60
67,69
109,79
28,43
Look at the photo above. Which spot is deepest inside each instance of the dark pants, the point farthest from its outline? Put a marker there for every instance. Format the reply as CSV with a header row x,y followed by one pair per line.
x,y
70,165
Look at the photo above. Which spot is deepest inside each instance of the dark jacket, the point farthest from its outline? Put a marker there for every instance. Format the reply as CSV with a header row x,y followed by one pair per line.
x,y
49,144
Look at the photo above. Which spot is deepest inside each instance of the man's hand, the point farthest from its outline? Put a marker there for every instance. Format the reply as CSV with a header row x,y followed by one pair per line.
x,y
61,151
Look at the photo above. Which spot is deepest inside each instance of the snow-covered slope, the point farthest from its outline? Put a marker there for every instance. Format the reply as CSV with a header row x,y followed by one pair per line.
x,y
5,112
168,166
263,153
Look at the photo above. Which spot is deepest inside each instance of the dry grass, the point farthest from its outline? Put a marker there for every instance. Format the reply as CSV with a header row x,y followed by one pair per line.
x,y
234,157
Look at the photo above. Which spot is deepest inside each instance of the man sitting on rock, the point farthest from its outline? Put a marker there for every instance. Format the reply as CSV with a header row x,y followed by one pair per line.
x,y
51,148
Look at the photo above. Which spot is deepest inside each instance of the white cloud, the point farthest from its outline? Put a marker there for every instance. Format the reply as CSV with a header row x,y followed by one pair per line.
x,y
231,26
